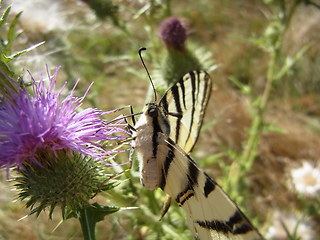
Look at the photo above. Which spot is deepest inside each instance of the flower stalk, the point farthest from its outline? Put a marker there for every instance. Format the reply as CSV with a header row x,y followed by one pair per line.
x,y
87,225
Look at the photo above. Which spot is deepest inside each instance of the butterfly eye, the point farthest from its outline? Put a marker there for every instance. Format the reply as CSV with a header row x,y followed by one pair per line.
x,y
152,112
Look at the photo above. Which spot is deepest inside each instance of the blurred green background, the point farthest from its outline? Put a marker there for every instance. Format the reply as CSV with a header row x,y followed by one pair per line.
x,y
262,120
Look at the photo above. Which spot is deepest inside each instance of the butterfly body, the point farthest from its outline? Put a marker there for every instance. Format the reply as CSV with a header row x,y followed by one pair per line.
x,y
164,136
151,122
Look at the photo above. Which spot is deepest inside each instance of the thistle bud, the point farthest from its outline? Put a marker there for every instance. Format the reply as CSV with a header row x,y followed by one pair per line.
x,y
173,33
178,60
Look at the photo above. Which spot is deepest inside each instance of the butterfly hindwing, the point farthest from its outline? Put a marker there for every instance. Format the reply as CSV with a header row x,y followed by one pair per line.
x,y
185,102
210,212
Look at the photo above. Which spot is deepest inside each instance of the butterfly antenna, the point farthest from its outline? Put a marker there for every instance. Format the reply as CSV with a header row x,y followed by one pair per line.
x,y
144,65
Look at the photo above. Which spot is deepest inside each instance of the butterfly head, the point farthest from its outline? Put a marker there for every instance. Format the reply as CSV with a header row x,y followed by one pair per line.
x,y
153,115
152,110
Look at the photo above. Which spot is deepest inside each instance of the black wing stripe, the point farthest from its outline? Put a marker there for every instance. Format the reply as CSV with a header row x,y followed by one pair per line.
x,y
243,229
233,225
175,94
204,102
218,226
186,194
155,144
193,171
193,87
181,82
193,174
206,93
198,84
167,163
209,185
164,103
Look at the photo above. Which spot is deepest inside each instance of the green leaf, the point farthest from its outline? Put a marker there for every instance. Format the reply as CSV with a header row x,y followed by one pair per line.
x,y
100,211
212,159
5,74
4,16
92,214
17,54
245,89
68,213
271,127
289,62
110,185
11,35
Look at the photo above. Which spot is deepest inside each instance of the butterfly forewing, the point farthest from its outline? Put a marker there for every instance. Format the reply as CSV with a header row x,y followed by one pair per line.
x,y
185,104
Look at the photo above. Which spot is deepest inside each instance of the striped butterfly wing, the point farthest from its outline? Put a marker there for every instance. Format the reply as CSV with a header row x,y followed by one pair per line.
x,y
210,212
185,102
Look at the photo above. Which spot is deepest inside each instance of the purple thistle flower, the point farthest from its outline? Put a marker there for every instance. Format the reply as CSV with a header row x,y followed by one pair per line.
x,y
173,33
42,121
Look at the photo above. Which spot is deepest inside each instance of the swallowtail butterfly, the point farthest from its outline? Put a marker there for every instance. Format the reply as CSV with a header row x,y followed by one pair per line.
x,y
163,138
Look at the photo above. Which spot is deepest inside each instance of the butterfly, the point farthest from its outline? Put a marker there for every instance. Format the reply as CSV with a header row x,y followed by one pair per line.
x,y
163,137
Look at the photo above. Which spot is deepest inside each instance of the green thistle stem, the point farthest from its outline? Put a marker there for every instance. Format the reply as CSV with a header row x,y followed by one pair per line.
x,y
251,148
90,215
87,224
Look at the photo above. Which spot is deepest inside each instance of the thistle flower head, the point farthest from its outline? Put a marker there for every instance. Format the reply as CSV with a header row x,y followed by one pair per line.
x,y
173,33
53,145
41,121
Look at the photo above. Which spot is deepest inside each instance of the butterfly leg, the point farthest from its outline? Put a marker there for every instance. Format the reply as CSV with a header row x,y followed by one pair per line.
x,y
124,117
131,129
132,116
120,109
120,143
165,207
